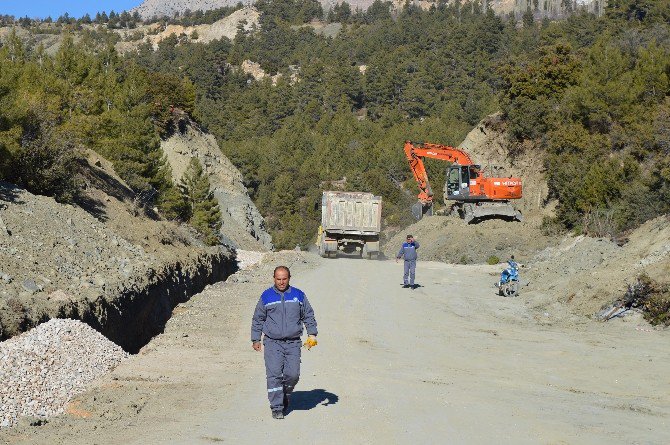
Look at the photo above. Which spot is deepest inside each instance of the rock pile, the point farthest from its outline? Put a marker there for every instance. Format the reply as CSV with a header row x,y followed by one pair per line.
x,y
42,369
248,258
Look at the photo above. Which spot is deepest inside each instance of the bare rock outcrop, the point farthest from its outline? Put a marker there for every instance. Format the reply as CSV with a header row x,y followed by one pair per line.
x,y
164,8
227,27
243,226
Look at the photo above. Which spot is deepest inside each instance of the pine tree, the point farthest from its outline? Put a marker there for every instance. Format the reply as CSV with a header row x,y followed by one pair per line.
x,y
204,209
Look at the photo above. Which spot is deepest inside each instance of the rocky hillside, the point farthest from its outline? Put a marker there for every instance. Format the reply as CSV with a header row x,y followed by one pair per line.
x,y
161,8
247,18
107,260
243,226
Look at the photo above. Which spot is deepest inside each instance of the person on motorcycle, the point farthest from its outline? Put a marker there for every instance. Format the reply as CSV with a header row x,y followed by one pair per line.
x,y
509,275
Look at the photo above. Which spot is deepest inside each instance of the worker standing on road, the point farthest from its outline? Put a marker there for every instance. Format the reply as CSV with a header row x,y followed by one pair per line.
x,y
279,317
408,251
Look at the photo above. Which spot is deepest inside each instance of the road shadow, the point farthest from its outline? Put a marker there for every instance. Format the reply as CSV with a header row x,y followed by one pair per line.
x,y
306,400
416,286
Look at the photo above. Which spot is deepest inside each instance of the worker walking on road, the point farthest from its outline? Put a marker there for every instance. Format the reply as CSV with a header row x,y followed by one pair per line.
x,y
279,317
408,251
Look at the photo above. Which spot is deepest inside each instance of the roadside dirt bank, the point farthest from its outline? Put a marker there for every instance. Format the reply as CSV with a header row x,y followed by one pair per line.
x,y
450,361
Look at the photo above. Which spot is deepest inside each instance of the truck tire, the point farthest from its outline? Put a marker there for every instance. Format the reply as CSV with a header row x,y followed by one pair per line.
x,y
322,246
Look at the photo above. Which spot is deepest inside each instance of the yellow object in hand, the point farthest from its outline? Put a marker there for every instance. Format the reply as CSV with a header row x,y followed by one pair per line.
x,y
311,342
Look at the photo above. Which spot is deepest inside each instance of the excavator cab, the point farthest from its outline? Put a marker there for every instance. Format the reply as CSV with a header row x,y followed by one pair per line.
x,y
458,181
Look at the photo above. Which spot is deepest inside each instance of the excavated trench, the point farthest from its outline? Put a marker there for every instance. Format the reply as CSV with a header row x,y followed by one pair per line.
x,y
135,312
139,312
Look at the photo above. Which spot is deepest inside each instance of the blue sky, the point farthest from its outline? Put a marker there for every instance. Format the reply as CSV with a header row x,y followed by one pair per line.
x,y
76,8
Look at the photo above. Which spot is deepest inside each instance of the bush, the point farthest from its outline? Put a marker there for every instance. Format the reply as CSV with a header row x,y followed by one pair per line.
x,y
656,304
551,226
492,260
49,168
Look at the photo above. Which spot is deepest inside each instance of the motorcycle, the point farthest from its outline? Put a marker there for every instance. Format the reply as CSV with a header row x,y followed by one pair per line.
x,y
508,286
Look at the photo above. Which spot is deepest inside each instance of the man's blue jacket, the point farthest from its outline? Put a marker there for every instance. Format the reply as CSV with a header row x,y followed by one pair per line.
x,y
408,250
280,315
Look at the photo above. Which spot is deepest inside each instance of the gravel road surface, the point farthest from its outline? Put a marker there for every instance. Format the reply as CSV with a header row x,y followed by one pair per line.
x,y
449,362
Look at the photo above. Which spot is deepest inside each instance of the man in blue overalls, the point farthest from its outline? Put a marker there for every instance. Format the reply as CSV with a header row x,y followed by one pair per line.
x,y
408,251
279,317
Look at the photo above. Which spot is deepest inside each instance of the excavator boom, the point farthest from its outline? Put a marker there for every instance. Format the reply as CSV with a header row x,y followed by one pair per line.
x,y
473,193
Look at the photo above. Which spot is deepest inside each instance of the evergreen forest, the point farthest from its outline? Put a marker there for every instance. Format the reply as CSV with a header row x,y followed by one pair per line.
x,y
591,93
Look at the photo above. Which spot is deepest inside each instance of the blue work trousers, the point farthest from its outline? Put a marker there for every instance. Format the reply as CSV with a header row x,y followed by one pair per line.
x,y
410,270
282,368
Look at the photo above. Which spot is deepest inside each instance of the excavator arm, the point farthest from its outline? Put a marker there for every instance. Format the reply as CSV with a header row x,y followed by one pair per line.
x,y
415,154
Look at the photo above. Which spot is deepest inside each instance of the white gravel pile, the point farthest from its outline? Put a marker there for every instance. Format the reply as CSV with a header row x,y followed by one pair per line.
x,y
42,369
248,258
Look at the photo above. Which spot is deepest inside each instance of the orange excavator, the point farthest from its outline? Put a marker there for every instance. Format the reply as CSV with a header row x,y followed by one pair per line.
x,y
472,194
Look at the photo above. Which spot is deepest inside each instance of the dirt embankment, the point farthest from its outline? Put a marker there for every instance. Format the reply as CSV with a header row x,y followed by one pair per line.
x,y
103,260
585,273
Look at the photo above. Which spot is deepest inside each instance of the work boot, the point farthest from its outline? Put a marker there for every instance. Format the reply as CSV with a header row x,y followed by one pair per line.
x,y
277,414
286,404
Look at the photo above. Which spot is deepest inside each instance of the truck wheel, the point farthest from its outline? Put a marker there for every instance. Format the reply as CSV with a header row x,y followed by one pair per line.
x,y
322,250
373,255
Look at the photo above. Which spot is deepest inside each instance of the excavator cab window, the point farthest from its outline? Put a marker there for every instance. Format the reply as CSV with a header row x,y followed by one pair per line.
x,y
453,180
474,172
465,179
458,181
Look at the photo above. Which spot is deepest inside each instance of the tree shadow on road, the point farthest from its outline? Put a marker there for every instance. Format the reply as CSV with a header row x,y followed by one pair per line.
x,y
306,400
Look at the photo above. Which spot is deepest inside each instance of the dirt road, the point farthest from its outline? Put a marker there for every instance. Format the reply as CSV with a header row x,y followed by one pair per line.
x,y
449,362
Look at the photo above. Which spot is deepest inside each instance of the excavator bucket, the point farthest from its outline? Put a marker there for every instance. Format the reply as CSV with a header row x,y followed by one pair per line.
x,y
419,210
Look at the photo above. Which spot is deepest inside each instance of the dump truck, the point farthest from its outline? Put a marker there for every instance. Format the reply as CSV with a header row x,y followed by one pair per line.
x,y
350,223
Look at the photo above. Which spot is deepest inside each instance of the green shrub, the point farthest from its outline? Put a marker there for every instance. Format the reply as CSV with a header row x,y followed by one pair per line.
x,y
464,259
656,305
492,260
